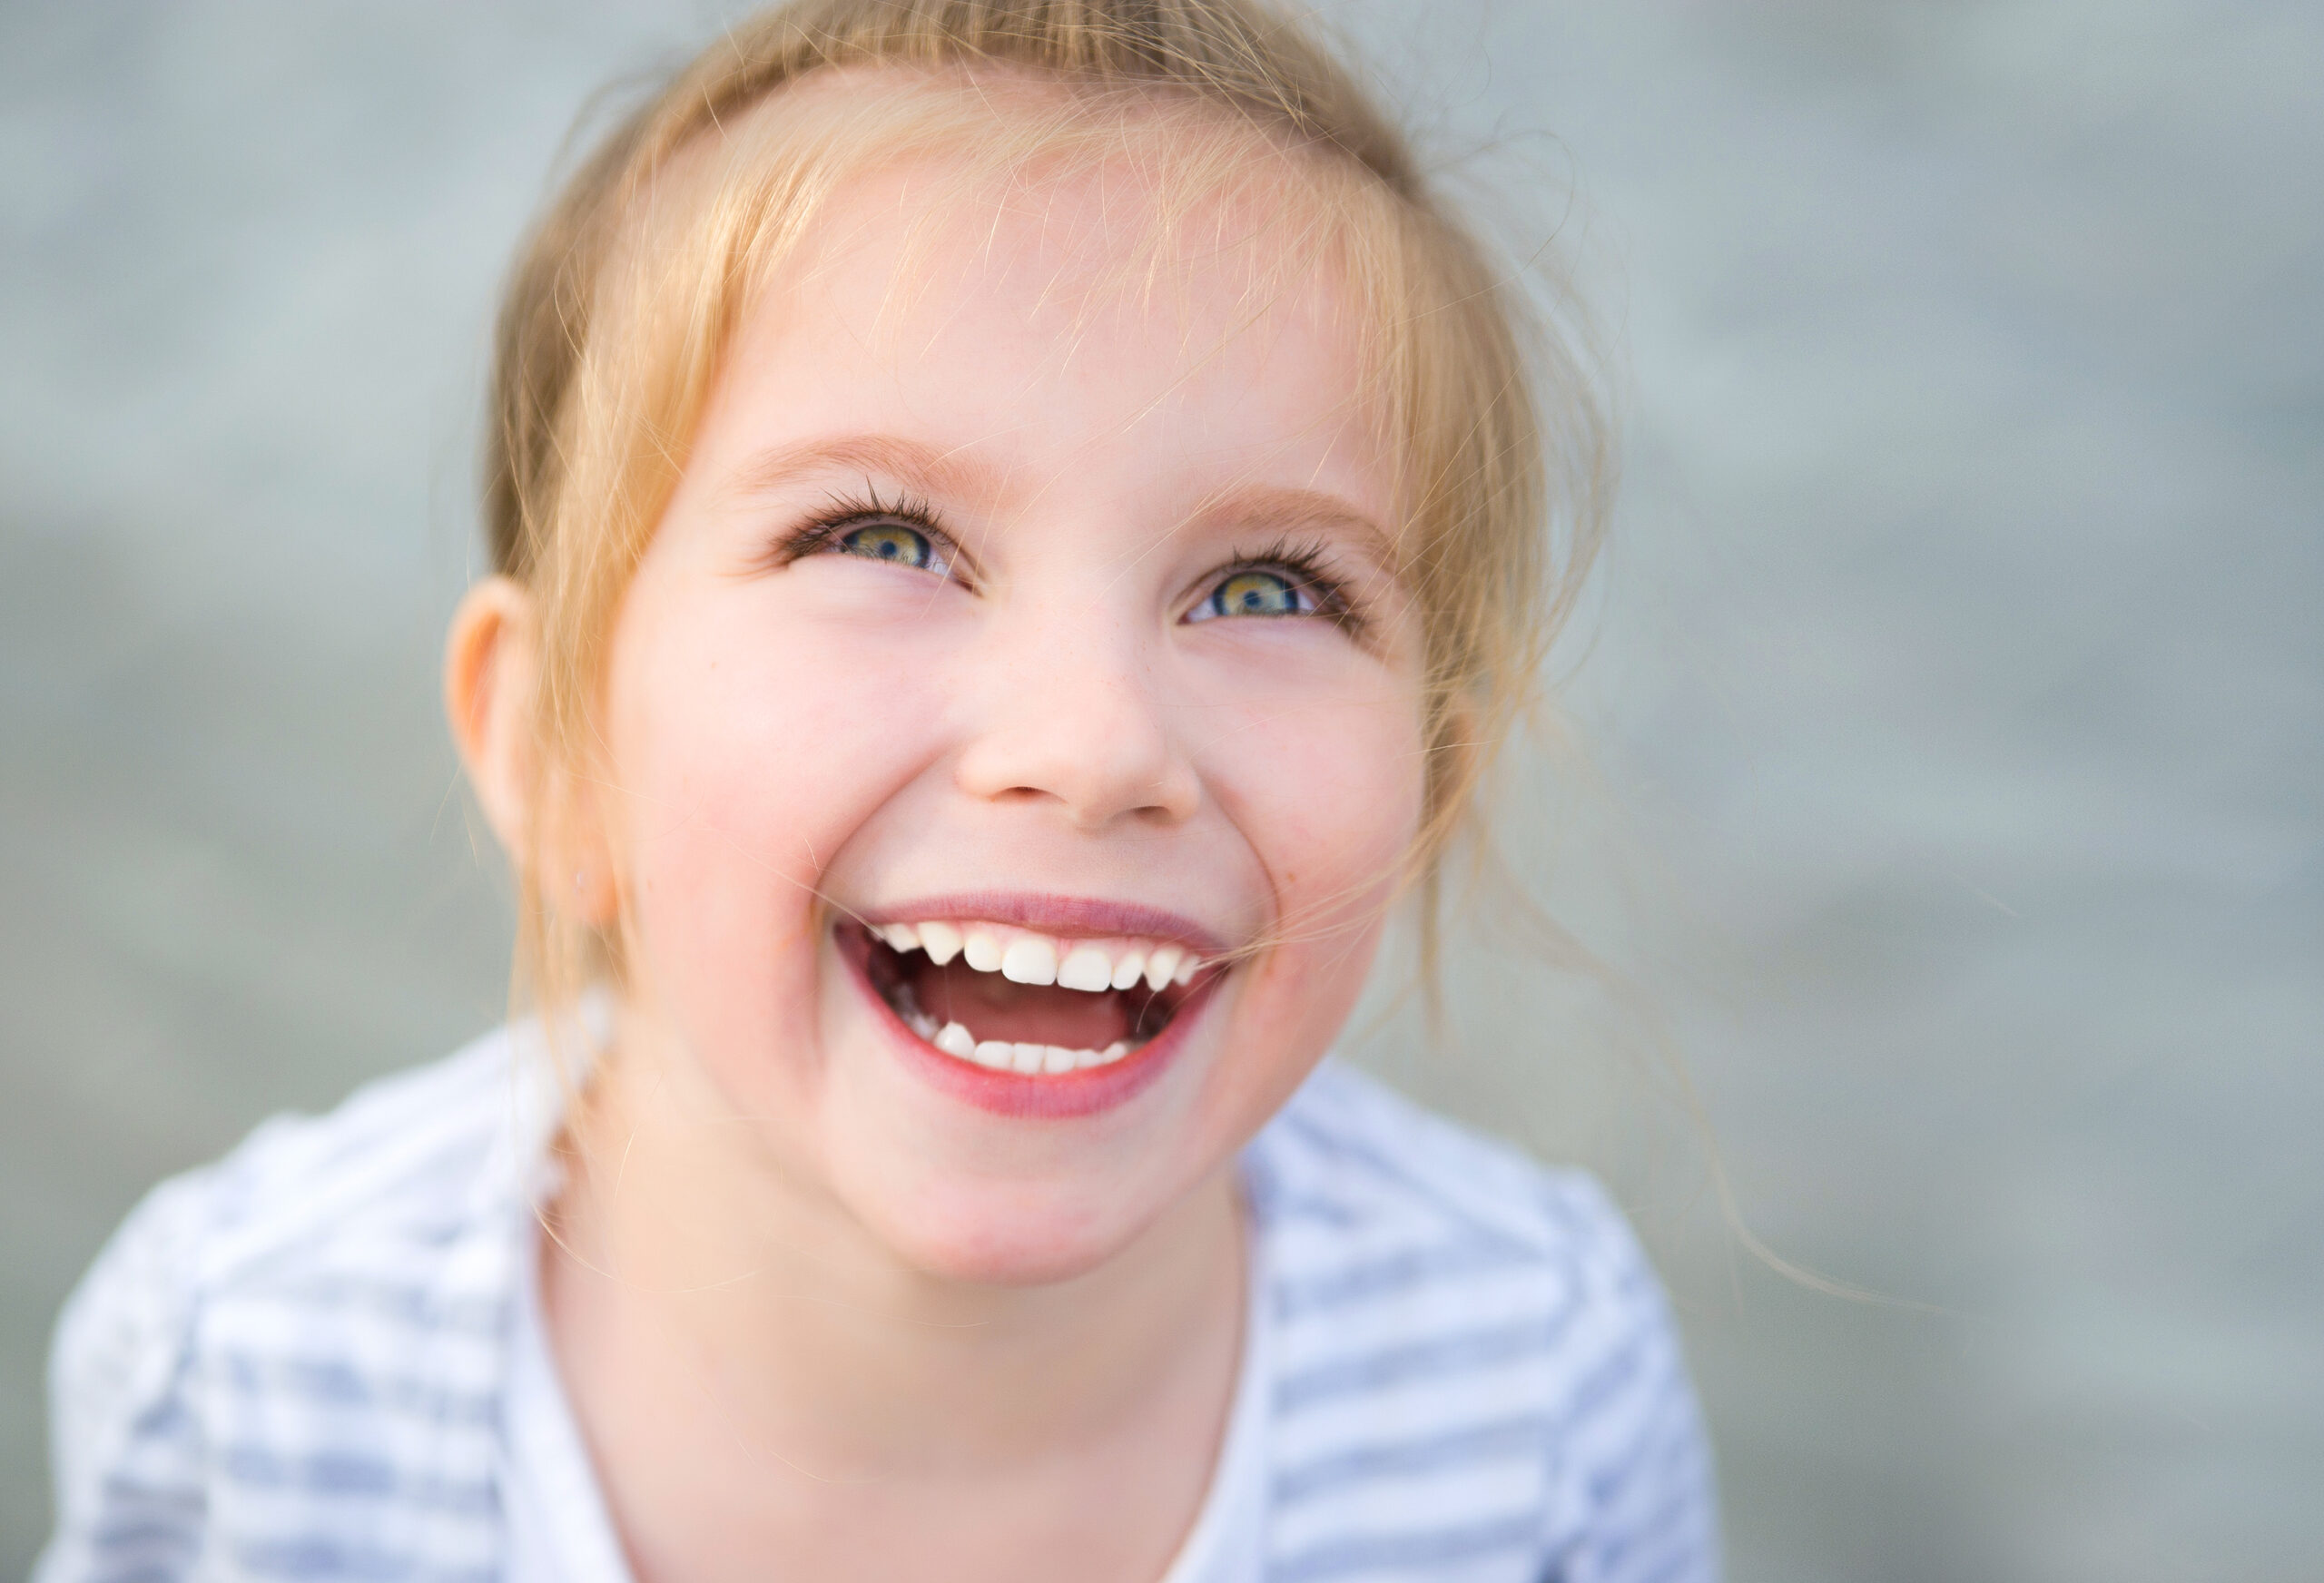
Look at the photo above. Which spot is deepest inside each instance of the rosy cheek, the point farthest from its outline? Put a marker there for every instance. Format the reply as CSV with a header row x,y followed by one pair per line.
x,y
767,709
1337,794
738,729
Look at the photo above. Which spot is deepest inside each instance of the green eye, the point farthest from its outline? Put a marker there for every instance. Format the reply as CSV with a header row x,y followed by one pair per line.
x,y
889,541
1255,593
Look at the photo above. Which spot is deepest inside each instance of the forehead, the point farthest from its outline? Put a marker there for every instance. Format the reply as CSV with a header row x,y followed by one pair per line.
x,y
1056,308
1072,273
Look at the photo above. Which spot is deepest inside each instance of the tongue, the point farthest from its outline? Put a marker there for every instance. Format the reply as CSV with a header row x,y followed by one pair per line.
x,y
992,1007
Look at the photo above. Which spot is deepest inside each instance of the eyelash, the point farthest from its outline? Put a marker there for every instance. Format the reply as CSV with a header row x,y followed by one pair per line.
x,y
1300,564
844,514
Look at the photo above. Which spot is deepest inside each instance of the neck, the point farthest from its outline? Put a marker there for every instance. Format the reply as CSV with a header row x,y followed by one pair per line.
x,y
736,1293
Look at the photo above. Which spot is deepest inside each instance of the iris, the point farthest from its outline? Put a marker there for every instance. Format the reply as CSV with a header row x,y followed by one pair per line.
x,y
1255,593
889,541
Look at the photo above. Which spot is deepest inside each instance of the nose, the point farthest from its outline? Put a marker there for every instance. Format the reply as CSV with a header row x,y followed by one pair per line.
x,y
1068,714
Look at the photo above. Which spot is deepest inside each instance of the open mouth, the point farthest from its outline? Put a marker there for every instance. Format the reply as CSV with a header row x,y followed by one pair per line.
x,y
1012,999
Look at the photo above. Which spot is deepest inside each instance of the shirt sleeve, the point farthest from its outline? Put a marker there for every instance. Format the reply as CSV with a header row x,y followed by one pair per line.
x,y
1641,1503
126,1440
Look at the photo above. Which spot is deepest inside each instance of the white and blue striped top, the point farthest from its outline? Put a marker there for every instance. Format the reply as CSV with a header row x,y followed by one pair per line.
x,y
320,1358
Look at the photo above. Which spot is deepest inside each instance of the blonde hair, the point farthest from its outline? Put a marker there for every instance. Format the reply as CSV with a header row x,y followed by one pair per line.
x,y
626,293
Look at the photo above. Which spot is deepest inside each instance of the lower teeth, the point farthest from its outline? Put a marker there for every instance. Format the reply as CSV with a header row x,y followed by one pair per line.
x,y
1000,1054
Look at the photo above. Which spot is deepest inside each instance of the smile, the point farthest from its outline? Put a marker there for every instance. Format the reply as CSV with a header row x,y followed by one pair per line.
x,y
1010,999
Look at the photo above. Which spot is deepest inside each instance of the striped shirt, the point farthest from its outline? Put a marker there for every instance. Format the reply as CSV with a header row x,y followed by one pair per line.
x,y
321,1358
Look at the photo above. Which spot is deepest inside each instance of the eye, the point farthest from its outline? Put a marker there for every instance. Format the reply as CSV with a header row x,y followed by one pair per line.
x,y
891,541
905,532
1254,591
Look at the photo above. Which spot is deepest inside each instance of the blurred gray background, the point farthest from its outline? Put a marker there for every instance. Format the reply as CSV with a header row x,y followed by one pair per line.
x,y
1955,693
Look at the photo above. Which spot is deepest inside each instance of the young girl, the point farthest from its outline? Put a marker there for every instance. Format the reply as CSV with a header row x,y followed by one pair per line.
x,y
1011,520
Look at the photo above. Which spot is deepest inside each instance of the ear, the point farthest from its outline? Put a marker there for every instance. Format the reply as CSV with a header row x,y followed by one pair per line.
x,y
491,668
488,675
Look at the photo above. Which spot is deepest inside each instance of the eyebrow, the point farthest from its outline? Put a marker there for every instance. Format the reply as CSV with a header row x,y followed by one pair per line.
x,y
1279,510
910,462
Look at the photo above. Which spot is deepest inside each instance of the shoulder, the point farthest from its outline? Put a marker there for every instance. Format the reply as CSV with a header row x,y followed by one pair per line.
x,y
281,1298
1465,1336
398,1156
1351,1154
401,1163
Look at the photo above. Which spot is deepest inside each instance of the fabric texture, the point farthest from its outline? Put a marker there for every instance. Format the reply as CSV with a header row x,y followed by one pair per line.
x,y
321,1358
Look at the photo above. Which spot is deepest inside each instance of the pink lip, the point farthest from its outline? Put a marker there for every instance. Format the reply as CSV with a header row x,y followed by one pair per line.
x,y
1060,1096
1065,916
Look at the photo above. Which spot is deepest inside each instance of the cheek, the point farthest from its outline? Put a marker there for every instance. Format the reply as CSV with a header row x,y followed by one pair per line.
x,y
1327,789
740,765
1334,812
1321,771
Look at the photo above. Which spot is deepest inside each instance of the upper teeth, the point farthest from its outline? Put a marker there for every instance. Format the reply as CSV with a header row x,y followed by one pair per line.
x,y
1032,959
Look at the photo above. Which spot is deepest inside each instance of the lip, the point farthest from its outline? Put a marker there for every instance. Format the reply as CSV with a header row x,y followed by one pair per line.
x,y
1062,1096
1066,917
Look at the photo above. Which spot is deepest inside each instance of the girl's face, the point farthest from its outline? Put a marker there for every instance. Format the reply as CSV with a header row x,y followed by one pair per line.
x,y
1013,730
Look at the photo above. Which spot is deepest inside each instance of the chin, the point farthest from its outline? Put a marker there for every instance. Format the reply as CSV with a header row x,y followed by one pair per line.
x,y
1016,1234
